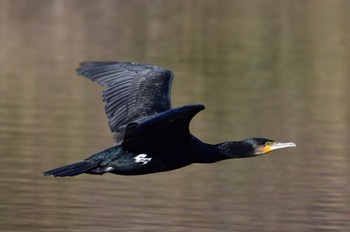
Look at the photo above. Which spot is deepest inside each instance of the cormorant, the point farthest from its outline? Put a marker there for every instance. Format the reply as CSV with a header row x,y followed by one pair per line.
x,y
151,136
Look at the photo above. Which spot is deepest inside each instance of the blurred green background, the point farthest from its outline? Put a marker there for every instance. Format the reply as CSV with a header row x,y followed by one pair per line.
x,y
275,68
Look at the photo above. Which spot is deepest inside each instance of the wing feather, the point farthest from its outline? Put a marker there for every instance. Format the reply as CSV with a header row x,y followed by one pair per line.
x,y
132,91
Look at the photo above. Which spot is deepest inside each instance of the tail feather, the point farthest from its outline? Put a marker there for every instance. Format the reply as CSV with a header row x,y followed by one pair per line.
x,y
73,169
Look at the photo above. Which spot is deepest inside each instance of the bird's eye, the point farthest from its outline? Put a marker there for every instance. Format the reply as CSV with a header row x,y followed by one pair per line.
x,y
268,143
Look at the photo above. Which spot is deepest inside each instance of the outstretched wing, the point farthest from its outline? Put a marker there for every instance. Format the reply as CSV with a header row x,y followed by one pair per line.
x,y
171,127
133,91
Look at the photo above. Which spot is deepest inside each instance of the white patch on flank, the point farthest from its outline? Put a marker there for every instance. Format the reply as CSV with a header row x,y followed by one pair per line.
x,y
142,158
109,169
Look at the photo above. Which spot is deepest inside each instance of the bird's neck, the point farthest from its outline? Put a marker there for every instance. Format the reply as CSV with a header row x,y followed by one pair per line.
x,y
210,153
235,149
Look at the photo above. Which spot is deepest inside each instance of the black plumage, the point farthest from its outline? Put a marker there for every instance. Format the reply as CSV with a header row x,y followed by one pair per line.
x,y
151,136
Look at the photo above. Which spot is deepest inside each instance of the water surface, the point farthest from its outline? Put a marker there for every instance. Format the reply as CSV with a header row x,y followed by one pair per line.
x,y
276,69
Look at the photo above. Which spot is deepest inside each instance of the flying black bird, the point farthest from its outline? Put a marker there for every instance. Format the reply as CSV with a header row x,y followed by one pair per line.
x,y
151,136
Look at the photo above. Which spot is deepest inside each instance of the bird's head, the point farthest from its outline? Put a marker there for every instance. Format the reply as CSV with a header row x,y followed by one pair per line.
x,y
260,146
251,147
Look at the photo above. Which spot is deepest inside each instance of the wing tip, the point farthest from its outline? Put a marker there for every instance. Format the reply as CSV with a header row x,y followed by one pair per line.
x,y
86,66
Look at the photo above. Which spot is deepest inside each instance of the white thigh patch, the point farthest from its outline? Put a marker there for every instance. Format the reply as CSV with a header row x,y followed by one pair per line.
x,y
109,169
142,158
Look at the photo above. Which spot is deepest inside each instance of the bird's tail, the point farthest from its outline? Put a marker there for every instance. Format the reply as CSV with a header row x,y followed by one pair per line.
x,y
73,169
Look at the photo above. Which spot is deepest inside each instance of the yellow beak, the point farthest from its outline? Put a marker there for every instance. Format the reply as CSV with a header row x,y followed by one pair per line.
x,y
277,145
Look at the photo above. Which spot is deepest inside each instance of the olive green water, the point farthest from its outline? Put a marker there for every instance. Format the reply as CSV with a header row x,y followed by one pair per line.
x,y
276,69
